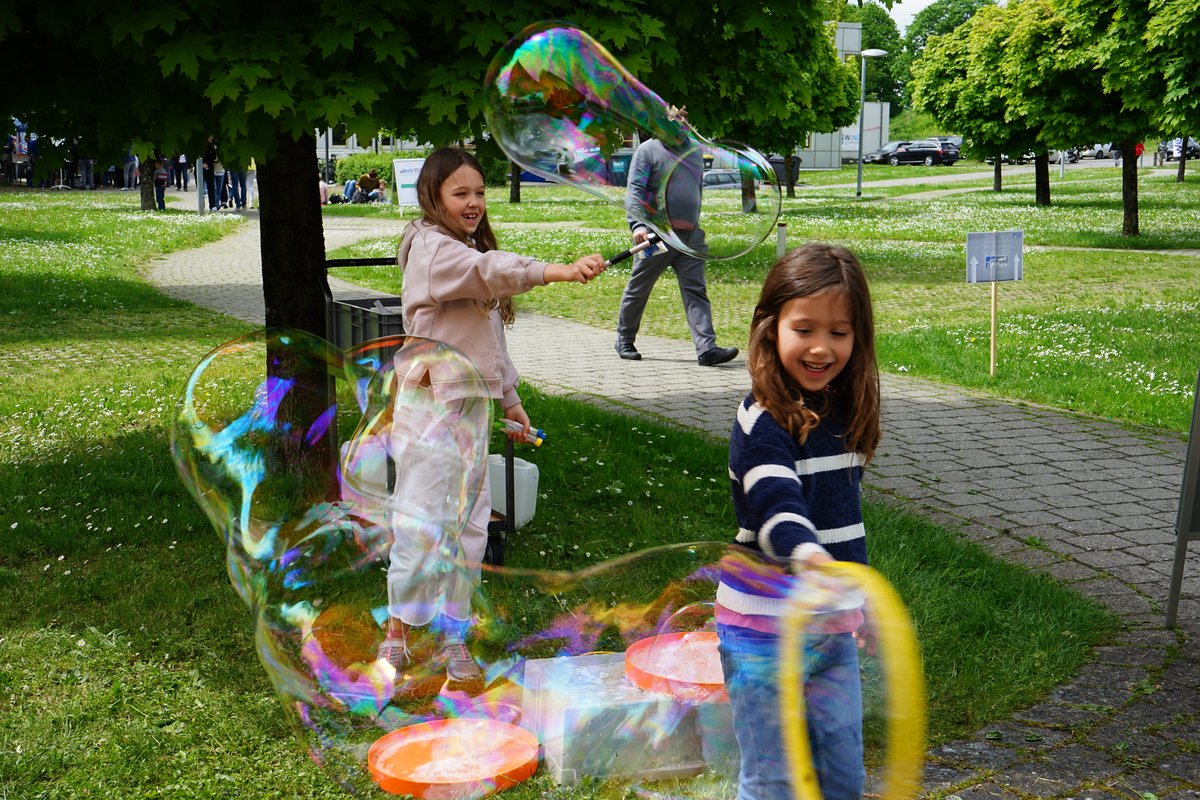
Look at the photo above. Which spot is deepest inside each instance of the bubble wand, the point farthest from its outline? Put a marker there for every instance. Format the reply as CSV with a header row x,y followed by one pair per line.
x,y
651,240
535,436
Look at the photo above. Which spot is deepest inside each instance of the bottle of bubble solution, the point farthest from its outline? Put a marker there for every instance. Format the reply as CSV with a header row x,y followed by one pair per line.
x,y
535,436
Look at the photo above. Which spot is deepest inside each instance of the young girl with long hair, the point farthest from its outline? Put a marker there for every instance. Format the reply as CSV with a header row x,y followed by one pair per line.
x,y
457,290
796,456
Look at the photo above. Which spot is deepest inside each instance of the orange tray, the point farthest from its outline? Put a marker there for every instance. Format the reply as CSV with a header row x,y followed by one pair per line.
x,y
458,758
685,666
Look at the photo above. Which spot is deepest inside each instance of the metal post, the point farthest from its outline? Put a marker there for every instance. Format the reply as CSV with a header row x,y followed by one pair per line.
x,y
862,113
862,108
780,240
1187,523
201,206
328,175
995,283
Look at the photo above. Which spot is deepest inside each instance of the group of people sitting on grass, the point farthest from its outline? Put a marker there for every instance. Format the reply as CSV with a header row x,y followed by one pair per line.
x,y
367,188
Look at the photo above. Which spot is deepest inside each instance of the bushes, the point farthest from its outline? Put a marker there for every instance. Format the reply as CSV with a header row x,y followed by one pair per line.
x,y
352,166
495,169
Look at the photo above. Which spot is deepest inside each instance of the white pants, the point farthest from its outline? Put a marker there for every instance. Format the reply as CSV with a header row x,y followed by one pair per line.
x,y
438,536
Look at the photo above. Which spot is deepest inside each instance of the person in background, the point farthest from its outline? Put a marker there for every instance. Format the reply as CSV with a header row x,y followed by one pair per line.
x,y
651,162
162,177
131,170
252,185
211,158
367,188
179,165
800,440
237,187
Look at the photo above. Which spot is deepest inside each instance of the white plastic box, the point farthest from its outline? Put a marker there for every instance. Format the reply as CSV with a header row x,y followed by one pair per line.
x,y
591,721
525,488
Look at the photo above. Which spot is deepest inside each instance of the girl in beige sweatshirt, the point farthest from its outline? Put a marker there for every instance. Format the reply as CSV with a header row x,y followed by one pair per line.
x,y
457,290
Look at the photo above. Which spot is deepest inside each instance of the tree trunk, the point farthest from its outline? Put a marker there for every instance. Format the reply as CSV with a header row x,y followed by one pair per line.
x,y
514,182
1129,189
292,243
997,185
749,198
1183,154
1041,179
292,239
146,186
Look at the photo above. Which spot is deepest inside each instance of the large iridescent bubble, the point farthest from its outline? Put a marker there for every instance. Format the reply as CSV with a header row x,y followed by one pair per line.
x,y
560,105
609,675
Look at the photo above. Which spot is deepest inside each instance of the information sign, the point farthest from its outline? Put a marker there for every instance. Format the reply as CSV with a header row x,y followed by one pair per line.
x,y
995,256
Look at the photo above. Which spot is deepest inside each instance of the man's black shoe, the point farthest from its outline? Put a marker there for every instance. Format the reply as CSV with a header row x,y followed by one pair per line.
x,y
716,355
627,351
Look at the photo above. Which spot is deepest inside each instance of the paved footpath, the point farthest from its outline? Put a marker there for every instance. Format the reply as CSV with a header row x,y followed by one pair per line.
x,y
1086,501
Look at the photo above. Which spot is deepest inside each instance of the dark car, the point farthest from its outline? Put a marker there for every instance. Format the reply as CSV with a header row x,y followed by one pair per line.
x,y
881,155
953,141
926,151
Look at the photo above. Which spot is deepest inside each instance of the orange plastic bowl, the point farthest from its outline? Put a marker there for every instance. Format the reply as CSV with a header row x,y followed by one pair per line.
x,y
453,758
686,666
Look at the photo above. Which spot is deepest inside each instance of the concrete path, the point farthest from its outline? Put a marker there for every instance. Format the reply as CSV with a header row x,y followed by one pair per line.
x,y
1089,502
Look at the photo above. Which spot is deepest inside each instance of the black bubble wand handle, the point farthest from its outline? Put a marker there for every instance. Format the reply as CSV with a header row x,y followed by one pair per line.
x,y
650,241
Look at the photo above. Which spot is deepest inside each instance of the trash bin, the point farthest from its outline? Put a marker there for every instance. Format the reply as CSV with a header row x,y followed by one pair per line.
x,y
354,321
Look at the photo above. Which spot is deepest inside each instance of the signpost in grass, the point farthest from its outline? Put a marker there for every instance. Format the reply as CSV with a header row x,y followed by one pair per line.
x,y
993,257
1187,524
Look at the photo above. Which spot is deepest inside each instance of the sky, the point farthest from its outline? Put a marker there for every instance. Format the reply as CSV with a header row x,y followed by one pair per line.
x,y
904,10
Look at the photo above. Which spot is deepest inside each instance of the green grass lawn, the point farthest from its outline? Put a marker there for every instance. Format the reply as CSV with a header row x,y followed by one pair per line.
x,y
1101,324
127,661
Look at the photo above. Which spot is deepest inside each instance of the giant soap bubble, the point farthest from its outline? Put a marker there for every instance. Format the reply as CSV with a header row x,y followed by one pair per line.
x,y
608,675
561,106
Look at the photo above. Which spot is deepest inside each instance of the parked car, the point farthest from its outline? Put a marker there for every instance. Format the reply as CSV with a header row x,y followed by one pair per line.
x,y
955,141
1072,155
881,155
925,151
1097,151
1005,158
722,179
1174,149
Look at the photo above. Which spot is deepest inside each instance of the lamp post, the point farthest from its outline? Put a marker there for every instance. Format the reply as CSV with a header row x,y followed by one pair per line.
x,y
862,108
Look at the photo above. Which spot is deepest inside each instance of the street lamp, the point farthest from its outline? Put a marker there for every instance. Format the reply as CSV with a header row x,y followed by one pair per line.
x,y
862,108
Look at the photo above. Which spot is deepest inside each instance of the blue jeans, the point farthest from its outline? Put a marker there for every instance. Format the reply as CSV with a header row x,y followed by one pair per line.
x,y
237,188
832,700
160,197
211,188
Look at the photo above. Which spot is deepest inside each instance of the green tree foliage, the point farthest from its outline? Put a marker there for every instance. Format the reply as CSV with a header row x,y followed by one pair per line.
x,y
1174,35
262,76
936,19
1107,38
879,31
959,80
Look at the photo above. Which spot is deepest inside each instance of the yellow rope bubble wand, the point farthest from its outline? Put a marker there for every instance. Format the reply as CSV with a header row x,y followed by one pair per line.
x,y
902,674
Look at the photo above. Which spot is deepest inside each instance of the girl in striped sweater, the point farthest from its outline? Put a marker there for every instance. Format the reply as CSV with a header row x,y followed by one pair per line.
x,y
796,455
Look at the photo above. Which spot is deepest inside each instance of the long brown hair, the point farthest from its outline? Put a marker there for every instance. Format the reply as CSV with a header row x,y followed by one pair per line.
x,y
805,271
440,165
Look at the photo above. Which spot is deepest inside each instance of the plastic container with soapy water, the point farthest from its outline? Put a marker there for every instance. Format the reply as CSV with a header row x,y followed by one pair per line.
x,y
525,487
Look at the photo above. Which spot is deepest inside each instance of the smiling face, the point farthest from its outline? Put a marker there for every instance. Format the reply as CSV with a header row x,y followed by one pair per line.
x,y
815,338
462,199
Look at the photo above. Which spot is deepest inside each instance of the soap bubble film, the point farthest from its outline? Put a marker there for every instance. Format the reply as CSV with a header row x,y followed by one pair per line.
x,y
609,675
560,105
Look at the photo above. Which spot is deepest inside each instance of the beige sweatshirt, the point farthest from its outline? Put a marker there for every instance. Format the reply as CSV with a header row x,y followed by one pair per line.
x,y
444,282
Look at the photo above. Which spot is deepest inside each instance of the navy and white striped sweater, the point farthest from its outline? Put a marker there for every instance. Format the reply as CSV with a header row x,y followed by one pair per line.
x,y
787,495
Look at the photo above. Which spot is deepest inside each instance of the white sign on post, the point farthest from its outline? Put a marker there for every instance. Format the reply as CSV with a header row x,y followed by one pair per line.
x,y
405,171
995,256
